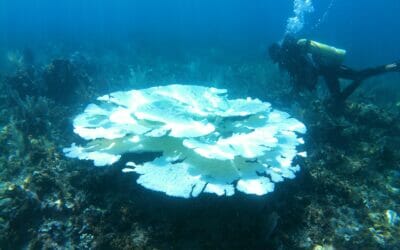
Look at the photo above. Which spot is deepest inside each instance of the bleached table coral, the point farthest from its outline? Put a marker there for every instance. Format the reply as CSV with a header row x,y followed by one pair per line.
x,y
209,143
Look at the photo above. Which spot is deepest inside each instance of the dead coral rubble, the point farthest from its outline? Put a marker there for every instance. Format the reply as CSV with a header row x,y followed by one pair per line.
x,y
351,161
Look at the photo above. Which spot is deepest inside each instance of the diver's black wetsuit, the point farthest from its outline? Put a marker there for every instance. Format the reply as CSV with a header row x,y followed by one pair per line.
x,y
332,76
304,70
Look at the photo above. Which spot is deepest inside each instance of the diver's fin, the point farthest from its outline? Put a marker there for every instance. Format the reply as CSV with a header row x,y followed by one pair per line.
x,y
393,67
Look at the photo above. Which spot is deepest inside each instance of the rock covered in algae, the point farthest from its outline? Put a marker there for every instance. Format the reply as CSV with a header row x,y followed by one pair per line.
x,y
209,143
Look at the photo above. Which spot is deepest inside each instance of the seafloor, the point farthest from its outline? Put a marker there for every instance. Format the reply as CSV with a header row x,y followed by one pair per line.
x,y
347,195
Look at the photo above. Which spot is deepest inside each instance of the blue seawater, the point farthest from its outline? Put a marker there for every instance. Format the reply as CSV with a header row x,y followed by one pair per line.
x,y
369,30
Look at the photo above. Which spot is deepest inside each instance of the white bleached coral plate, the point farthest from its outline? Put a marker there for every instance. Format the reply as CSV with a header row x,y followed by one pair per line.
x,y
209,143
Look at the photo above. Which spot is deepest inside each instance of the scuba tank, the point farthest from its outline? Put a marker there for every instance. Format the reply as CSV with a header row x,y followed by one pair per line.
x,y
323,54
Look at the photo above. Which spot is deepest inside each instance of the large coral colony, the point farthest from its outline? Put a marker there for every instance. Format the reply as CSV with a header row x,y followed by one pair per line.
x,y
207,141
234,156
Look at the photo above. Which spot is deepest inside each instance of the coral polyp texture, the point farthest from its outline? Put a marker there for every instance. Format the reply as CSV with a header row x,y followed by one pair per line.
x,y
208,143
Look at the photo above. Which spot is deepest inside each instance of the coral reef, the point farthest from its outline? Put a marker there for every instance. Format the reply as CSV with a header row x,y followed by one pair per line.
x,y
345,197
207,141
65,79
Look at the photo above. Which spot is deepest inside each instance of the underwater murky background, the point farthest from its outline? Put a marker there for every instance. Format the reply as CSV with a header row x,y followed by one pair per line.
x,y
58,56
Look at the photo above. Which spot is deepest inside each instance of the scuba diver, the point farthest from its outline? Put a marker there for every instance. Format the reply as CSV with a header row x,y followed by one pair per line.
x,y
306,60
